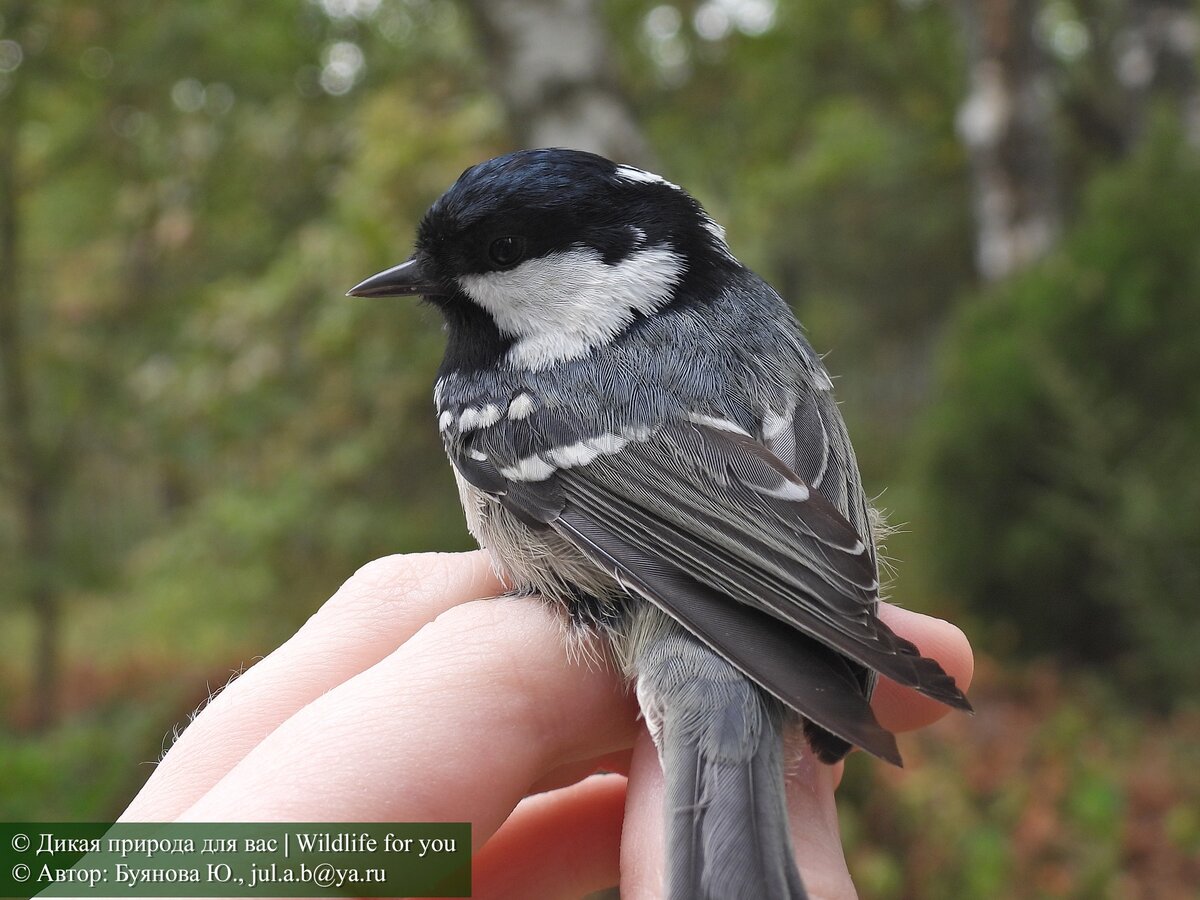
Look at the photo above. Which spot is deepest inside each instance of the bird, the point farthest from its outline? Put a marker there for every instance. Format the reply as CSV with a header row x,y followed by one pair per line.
x,y
642,435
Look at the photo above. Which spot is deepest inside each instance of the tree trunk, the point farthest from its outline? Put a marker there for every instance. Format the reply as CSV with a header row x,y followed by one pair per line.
x,y
552,68
29,477
1156,56
1005,122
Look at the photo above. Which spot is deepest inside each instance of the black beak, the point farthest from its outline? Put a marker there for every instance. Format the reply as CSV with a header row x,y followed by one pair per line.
x,y
403,280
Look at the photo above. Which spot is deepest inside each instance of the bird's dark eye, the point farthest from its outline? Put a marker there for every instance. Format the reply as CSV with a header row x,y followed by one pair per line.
x,y
506,251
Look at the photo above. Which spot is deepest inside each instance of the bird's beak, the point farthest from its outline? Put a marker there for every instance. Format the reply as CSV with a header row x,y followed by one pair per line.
x,y
406,279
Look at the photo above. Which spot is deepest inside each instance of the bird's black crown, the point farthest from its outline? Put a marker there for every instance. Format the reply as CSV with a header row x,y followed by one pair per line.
x,y
551,200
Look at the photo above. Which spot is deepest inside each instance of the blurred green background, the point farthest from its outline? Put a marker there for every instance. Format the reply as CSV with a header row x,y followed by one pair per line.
x,y
987,212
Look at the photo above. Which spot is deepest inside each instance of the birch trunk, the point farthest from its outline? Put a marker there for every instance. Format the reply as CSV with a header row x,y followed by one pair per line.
x,y
552,68
1005,123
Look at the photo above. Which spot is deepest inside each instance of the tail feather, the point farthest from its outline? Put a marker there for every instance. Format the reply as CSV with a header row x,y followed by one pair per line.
x,y
720,738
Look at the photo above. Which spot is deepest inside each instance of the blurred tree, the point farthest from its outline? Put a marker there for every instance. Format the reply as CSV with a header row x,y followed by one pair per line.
x,y
552,67
1006,121
34,467
1064,467
1156,57
158,295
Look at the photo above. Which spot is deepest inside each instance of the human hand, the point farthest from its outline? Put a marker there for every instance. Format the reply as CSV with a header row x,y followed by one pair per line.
x,y
410,696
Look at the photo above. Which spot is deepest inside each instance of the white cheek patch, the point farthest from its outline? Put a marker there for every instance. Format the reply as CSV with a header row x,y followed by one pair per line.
x,y
561,306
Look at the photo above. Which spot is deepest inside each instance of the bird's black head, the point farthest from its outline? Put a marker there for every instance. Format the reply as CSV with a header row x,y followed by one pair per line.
x,y
542,255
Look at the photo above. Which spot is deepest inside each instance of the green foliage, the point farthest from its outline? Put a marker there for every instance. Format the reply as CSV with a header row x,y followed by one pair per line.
x,y
231,437
97,754
829,152
1051,790
1064,454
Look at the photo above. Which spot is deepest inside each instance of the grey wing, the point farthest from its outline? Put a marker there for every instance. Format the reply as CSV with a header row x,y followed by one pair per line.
x,y
720,507
813,443
711,527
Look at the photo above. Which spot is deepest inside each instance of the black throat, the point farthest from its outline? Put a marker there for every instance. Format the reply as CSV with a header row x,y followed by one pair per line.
x,y
473,342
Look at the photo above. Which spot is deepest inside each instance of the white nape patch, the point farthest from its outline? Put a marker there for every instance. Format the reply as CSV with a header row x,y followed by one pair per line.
x,y
521,407
482,417
718,232
561,306
719,424
445,420
713,227
632,173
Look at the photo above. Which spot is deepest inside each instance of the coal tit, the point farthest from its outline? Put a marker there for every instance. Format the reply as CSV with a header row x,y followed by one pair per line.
x,y
642,435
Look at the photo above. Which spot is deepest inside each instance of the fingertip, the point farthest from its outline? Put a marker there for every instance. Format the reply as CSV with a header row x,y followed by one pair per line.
x,y
557,844
903,709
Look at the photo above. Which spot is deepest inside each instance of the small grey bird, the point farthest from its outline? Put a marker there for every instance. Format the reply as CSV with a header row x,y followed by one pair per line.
x,y
642,435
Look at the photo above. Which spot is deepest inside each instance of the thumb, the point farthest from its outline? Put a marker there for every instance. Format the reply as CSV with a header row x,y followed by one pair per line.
x,y
813,819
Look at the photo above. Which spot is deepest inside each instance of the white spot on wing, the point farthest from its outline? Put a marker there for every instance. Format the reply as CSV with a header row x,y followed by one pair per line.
x,y
531,468
477,455
577,454
774,424
608,443
561,306
541,466
788,490
521,407
637,433
583,452
481,417
445,420
719,424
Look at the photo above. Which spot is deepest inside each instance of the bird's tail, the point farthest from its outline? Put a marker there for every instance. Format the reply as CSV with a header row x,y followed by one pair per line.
x,y
720,739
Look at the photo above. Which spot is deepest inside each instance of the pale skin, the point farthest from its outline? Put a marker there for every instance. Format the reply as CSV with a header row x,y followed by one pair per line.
x,y
410,696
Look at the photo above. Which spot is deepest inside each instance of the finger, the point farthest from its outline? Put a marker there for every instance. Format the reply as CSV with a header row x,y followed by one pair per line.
x,y
381,606
812,816
642,860
903,709
565,843
577,771
455,725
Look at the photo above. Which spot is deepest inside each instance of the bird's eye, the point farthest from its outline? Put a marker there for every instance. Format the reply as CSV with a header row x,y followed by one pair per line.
x,y
506,251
